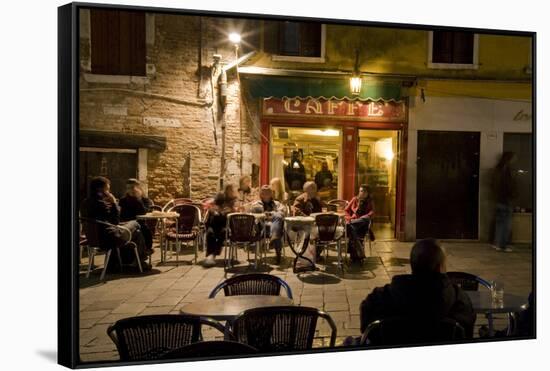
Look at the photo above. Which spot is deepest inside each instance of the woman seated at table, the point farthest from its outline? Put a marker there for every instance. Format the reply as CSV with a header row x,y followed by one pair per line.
x,y
306,204
224,203
278,190
101,205
358,219
134,203
276,210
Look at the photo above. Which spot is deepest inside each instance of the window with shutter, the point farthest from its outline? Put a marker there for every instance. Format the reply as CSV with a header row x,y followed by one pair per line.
x,y
117,42
293,39
451,47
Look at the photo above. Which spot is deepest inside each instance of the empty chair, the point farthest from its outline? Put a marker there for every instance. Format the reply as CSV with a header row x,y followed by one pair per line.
x,y
188,228
410,330
93,229
176,202
150,337
279,329
240,231
252,284
327,225
217,348
468,281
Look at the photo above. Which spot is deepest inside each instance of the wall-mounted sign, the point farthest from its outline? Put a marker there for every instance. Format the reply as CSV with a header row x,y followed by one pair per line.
x,y
351,109
522,116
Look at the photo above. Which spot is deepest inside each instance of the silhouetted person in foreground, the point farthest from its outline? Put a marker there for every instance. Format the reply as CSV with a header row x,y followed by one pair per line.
x,y
427,293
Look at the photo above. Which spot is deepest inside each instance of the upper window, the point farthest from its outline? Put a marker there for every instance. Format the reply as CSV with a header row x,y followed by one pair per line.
x,y
300,41
117,42
453,49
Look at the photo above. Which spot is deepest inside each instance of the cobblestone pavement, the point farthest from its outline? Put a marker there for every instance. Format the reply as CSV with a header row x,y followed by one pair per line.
x,y
168,287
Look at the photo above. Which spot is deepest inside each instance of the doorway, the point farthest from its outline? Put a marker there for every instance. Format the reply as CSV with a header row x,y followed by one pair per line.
x,y
377,168
447,185
300,154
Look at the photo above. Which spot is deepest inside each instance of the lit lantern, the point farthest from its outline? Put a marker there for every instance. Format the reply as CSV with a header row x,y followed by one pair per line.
x,y
355,82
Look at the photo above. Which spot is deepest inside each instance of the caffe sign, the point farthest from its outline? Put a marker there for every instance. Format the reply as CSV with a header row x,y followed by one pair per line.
x,y
351,109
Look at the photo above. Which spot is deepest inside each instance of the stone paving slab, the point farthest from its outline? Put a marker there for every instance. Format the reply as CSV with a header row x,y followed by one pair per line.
x,y
169,287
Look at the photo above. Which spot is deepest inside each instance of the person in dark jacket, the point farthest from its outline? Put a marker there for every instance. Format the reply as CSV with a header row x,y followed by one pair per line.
x,y
101,205
505,191
359,213
134,203
323,178
426,293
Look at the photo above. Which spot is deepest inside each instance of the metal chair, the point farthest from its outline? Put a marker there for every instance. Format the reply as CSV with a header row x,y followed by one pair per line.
x,y
327,225
151,337
279,329
240,231
468,281
252,284
410,330
217,348
93,229
187,228
176,202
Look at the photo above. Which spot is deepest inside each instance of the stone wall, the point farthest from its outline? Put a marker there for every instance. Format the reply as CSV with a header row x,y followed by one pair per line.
x,y
175,101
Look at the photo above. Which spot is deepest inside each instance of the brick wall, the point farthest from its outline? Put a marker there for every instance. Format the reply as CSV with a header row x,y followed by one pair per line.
x,y
173,102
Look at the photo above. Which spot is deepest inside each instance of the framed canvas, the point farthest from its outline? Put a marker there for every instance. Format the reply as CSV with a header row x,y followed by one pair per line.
x,y
252,185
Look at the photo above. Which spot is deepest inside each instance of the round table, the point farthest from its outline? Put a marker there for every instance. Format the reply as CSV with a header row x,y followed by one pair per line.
x,y
482,302
161,216
303,223
226,308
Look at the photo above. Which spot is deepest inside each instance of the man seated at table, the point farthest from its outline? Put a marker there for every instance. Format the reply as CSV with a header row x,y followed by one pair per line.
x,y
427,293
101,205
306,204
134,203
358,220
275,223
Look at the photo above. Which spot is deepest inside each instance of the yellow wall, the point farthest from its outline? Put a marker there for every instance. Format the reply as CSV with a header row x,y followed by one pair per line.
x,y
405,52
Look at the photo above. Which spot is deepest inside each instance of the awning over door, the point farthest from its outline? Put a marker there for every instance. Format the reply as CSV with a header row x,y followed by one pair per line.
x,y
279,87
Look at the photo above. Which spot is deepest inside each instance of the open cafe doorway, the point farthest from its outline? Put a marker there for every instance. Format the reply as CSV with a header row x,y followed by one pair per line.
x,y
377,167
300,154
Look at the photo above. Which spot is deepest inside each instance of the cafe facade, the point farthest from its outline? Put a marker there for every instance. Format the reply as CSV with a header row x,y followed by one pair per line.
x,y
199,116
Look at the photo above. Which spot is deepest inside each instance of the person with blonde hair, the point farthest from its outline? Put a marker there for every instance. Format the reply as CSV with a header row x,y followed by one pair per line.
x,y
278,189
247,194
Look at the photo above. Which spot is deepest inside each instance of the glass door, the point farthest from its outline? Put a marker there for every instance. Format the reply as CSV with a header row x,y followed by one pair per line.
x,y
377,168
300,154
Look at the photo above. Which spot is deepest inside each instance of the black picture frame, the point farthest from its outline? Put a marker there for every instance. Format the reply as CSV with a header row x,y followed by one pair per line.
x,y
68,156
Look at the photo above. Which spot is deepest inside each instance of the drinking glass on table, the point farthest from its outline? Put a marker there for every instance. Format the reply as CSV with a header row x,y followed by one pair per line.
x,y
497,293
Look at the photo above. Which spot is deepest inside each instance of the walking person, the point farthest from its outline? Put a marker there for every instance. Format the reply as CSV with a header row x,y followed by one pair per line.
x,y
505,190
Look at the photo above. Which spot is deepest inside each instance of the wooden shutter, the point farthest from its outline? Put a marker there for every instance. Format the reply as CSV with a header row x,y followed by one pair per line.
x,y
463,47
442,47
118,42
271,37
310,35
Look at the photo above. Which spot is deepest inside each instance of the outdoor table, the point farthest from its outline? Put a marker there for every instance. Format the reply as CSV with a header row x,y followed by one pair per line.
x,y
161,216
304,223
482,302
226,308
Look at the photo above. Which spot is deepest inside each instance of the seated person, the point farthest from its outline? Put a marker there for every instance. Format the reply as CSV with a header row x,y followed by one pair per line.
x,y
277,217
246,193
358,218
279,193
306,204
224,203
323,178
101,205
426,293
133,204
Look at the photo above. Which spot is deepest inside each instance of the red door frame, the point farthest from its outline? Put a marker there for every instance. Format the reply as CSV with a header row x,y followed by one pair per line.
x,y
350,155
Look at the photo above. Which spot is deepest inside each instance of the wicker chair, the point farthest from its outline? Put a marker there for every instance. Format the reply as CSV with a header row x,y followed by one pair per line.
x,y
187,228
468,281
407,330
93,229
327,225
252,284
240,231
176,202
150,337
279,329
217,348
